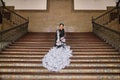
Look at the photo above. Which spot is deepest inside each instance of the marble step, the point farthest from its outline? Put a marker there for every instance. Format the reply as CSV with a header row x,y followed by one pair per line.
x,y
74,53
43,53
70,33
59,76
74,56
72,45
80,71
114,65
68,37
66,43
67,67
74,50
53,35
92,59
72,60
53,42
67,33
72,39
69,41
49,36
89,47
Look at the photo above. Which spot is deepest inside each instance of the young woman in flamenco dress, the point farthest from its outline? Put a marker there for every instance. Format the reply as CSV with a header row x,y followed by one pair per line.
x,y
58,56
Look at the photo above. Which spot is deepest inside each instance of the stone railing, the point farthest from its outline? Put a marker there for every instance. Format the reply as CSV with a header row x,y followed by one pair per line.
x,y
19,29
112,37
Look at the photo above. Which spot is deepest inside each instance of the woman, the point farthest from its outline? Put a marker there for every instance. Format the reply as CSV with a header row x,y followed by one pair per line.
x,y
58,57
60,36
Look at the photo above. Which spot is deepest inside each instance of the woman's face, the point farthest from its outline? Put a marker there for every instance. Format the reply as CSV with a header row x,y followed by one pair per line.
x,y
61,27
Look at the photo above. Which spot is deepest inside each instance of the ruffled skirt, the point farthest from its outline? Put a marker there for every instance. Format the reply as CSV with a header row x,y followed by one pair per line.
x,y
57,58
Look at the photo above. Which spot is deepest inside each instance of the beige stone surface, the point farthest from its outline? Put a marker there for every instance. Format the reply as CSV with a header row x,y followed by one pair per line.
x,y
114,25
60,11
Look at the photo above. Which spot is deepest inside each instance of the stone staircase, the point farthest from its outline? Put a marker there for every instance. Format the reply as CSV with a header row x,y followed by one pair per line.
x,y
93,59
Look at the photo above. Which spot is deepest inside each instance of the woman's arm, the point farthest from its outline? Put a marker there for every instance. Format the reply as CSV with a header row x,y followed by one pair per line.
x,y
62,38
58,35
62,33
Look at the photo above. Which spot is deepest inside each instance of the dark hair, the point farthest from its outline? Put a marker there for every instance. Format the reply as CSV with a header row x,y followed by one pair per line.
x,y
61,24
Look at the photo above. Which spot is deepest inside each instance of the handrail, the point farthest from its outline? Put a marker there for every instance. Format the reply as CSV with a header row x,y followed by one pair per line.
x,y
104,13
16,14
19,28
4,31
108,28
107,34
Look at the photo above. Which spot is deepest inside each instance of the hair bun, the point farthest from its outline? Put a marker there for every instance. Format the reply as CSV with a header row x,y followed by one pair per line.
x,y
61,24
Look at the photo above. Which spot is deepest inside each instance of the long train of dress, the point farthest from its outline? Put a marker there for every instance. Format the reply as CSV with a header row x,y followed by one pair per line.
x,y
57,58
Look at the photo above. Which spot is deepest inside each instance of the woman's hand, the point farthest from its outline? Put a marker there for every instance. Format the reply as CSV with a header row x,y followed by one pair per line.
x,y
63,39
58,43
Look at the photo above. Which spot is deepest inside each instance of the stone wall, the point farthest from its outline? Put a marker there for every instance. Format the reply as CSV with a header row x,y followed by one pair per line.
x,y
60,11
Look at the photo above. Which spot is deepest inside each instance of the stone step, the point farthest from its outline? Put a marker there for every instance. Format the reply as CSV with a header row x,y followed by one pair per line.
x,y
74,56
43,71
67,67
53,42
99,44
69,41
72,39
71,48
92,59
87,47
43,53
68,37
67,33
112,65
74,50
59,76
73,60
53,35
51,45
26,46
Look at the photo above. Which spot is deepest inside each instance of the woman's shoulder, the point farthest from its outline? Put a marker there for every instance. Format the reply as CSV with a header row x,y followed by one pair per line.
x,y
57,30
60,30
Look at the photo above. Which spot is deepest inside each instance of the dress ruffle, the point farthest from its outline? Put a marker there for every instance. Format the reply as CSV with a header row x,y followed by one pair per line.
x,y
57,58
